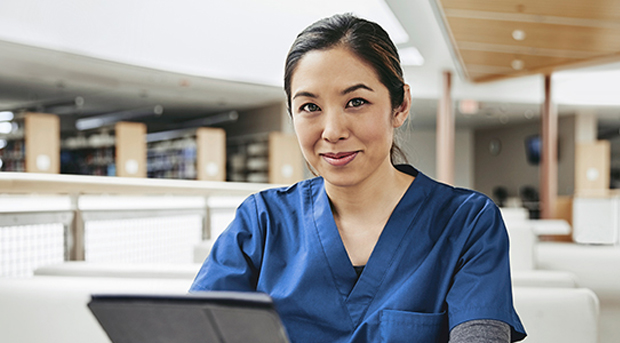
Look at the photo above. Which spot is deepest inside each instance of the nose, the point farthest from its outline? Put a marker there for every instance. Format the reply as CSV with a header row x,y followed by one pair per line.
x,y
335,126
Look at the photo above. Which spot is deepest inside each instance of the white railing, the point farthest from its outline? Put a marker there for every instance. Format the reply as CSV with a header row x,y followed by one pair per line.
x,y
46,219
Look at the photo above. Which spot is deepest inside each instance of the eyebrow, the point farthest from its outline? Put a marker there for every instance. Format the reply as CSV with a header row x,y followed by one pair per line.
x,y
356,87
344,92
306,94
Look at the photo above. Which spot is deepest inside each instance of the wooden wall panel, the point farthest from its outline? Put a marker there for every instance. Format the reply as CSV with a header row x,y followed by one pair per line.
x,y
42,139
286,162
500,59
592,163
588,9
211,154
549,35
130,149
593,40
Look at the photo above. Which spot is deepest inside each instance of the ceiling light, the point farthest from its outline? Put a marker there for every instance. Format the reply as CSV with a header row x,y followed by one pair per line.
x,y
410,56
517,64
6,127
518,35
111,118
215,119
3,143
6,116
469,106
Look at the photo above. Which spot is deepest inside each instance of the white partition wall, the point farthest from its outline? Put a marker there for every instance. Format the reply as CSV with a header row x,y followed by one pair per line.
x,y
596,220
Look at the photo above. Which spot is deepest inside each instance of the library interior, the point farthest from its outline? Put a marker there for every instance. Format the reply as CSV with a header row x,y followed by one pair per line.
x,y
131,131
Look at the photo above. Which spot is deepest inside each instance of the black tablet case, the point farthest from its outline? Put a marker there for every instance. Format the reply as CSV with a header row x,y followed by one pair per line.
x,y
218,317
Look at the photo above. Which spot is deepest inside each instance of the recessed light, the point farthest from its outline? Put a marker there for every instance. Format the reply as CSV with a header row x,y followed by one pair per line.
x,y
517,64
6,116
6,127
469,107
518,35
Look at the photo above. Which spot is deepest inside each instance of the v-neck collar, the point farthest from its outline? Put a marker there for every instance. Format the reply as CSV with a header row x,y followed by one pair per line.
x,y
358,293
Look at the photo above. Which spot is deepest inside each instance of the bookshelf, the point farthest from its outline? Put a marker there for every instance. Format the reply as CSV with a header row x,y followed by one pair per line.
x,y
273,157
190,154
32,145
106,152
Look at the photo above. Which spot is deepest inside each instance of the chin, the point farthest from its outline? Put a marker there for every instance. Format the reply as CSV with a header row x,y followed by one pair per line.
x,y
344,179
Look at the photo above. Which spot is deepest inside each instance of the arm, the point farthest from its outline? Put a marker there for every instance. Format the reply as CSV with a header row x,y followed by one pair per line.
x,y
481,288
234,261
481,331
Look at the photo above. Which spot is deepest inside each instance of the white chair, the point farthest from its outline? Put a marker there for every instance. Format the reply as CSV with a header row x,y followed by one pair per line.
x,y
597,267
53,309
567,315
121,270
522,233
544,278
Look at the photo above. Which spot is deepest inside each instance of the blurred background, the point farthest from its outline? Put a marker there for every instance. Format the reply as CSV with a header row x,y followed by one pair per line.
x,y
207,63
110,110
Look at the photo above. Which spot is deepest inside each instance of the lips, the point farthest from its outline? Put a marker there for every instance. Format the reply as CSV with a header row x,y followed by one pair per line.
x,y
339,159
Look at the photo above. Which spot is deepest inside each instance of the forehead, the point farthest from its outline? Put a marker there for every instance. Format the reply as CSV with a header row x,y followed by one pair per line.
x,y
332,68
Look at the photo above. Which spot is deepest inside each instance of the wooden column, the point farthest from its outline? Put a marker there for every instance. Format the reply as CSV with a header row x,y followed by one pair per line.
x,y
42,139
211,154
445,133
130,149
286,162
549,155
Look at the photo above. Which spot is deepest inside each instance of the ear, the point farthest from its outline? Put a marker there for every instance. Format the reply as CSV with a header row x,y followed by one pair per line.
x,y
402,112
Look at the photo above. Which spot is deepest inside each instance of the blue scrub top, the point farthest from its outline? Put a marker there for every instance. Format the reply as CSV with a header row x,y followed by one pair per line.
x,y
441,260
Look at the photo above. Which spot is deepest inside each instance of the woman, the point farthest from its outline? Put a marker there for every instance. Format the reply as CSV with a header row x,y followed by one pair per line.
x,y
369,251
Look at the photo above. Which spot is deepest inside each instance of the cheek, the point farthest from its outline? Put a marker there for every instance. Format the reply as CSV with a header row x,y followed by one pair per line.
x,y
379,132
306,135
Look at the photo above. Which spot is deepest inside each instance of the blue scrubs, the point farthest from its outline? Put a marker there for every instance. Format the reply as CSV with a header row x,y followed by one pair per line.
x,y
441,260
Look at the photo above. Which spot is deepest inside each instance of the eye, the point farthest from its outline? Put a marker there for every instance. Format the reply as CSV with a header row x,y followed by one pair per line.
x,y
309,107
357,102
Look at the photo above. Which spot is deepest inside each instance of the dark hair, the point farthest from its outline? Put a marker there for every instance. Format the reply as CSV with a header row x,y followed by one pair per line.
x,y
365,39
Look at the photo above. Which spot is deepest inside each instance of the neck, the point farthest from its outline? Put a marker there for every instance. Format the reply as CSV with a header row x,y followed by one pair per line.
x,y
384,187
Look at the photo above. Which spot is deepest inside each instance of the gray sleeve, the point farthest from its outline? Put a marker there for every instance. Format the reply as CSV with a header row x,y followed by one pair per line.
x,y
481,331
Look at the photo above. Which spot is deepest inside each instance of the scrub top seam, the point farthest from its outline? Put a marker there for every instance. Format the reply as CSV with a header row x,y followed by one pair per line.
x,y
262,230
468,241
316,228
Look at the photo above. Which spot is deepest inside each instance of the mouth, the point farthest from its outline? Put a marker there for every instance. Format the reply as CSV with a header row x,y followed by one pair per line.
x,y
339,159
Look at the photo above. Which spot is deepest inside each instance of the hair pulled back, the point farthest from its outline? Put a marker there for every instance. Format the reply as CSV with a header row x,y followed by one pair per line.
x,y
364,38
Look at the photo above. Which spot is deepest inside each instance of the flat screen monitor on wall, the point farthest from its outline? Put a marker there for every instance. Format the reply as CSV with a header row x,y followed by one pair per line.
x,y
533,149
533,146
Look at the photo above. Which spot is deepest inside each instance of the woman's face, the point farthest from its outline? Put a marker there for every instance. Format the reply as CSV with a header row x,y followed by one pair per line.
x,y
343,116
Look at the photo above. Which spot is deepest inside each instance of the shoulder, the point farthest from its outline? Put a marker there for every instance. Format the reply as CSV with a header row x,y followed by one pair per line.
x,y
459,212
452,197
291,196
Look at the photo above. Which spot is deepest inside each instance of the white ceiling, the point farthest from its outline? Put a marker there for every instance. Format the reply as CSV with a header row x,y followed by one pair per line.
x,y
203,57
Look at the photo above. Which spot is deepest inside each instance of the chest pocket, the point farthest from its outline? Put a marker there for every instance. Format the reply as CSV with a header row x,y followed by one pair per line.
x,y
413,327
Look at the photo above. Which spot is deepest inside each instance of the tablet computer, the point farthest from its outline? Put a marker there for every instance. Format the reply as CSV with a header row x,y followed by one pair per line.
x,y
218,317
